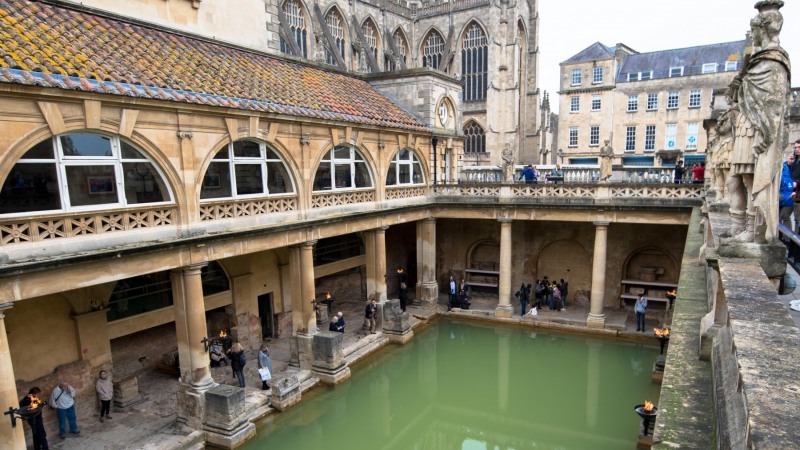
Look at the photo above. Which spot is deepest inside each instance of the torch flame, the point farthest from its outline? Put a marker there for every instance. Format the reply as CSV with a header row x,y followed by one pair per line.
x,y
400,270
35,402
661,332
327,295
648,406
223,334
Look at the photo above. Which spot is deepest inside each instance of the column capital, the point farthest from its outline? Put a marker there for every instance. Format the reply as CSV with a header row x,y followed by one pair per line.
x,y
308,243
429,219
505,220
601,223
190,269
382,228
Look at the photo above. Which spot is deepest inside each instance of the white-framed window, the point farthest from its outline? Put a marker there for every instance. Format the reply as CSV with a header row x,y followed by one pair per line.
x,y
649,138
675,72
652,101
82,171
633,103
594,135
574,104
671,136
576,77
573,136
245,169
342,168
694,99
692,130
630,139
646,75
633,76
710,68
673,99
597,75
297,25
731,66
596,103
405,168
433,51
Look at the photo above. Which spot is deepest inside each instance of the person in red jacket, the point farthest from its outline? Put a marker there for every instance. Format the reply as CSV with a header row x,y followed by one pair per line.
x,y
699,173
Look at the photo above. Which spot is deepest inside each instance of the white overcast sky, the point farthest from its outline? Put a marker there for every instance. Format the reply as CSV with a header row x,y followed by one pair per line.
x,y
569,26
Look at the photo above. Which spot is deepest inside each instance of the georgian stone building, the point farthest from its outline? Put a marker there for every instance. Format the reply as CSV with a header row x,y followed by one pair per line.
x,y
651,105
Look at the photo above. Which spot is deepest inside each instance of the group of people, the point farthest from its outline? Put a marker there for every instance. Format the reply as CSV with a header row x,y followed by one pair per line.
x,y
370,319
789,200
698,173
458,294
531,175
237,359
546,293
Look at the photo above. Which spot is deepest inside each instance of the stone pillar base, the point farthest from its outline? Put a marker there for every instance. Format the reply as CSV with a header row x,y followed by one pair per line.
x,y
233,439
191,406
399,338
332,377
301,344
428,295
504,311
126,394
285,392
225,421
644,442
596,321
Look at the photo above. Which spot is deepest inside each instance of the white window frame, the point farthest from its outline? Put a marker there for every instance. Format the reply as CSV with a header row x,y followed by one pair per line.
x,y
633,76
594,136
633,103
695,98
692,135
710,68
630,138
597,75
649,138
597,102
574,104
672,69
576,77
354,158
652,101
573,137
671,134
646,75
412,162
262,160
731,66
677,98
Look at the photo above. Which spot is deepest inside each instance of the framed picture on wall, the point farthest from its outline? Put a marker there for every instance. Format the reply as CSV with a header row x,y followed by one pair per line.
x,y
101,185
211,181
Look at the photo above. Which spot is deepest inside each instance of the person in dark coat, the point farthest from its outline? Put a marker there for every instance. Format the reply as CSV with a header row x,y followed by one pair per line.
x,y
403,295
237,362
36,422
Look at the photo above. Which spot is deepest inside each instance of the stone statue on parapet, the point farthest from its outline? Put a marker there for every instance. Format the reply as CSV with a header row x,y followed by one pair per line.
x,y
606,160
760,95
508,164
720,149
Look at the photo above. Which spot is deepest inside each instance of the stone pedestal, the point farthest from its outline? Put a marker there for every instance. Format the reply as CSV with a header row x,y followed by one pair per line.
x,y
300,352
596,321
285,392
657,375
225,421
191,406
329,364
504,311
396,323
126,393
427,295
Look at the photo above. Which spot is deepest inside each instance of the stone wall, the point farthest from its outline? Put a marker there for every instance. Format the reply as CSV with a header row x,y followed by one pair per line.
x,y
142,351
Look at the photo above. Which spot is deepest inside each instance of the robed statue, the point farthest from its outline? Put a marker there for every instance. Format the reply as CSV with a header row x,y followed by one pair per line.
x,y
606,160
508,164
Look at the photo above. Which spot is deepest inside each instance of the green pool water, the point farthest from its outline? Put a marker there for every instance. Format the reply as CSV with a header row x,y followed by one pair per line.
x,y
473,386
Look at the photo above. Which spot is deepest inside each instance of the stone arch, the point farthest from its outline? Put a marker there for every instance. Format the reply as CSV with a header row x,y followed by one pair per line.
x,y
483,254
406,44
370,162
428,60
639,263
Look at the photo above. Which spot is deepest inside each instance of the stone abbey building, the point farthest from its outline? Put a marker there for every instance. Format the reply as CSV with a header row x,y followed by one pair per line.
x,y
173,169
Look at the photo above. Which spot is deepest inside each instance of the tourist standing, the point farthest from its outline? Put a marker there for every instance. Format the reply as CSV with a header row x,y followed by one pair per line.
x,y
264,361
678,174
403,295
564,291
795,169
36,422
340,324
699,173
216,355
105,391
63,400
522,295
557,297
453,294
462,294
238,361
640,309
334,326
787,193
371,314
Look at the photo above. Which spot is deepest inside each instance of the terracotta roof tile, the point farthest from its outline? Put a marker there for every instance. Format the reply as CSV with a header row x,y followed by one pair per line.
x,y
47,45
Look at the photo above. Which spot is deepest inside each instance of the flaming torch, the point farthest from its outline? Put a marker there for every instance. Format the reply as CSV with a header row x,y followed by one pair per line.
x,y
223,333
647,412
662,334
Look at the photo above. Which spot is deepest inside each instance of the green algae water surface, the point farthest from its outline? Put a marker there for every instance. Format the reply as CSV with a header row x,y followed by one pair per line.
x,y
477,387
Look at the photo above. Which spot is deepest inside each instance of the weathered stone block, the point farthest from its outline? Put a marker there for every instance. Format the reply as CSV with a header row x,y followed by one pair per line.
x,y
126,393
283,324
225,421
329,364
285,391
396,323
191,405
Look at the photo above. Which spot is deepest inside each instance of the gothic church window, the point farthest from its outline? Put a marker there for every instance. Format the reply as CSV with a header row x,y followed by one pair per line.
x,y
335,27
474,57
297,25
475,138
371,37
402,49
246,169
433,50
82,171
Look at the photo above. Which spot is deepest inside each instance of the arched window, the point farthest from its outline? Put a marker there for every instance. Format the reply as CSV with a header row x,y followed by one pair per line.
x,y
343,167
82,171
246,169
474,56
371,36
433,50
297,24
336,28
475,141
402,49
404,168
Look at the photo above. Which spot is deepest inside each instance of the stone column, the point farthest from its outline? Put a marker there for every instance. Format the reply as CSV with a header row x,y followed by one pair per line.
x,y
380,264
190,321
303,315
370,269
307,288
596,317
10,438
427,287
504,308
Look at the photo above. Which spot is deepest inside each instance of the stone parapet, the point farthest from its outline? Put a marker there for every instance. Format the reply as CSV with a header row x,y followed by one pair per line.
x,y
329,363
396,323
225,420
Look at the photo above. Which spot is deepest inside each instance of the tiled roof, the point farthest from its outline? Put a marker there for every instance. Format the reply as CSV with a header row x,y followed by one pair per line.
x,y
662,61
47,45
592,52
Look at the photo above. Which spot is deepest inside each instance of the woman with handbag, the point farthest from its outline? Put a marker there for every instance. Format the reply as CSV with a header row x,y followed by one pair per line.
x,y
264,366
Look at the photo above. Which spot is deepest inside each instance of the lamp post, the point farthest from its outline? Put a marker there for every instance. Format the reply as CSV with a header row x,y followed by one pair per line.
x,y
435,142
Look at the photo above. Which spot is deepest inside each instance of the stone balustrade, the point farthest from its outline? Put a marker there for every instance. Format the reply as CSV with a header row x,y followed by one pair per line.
x,y
573,174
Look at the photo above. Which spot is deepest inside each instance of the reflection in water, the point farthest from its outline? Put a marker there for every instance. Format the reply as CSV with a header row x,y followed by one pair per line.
x,y
472,386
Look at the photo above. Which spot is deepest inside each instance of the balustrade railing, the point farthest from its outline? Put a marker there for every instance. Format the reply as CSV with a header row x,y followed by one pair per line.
x,y
321,200
574,174
393,193
228,209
